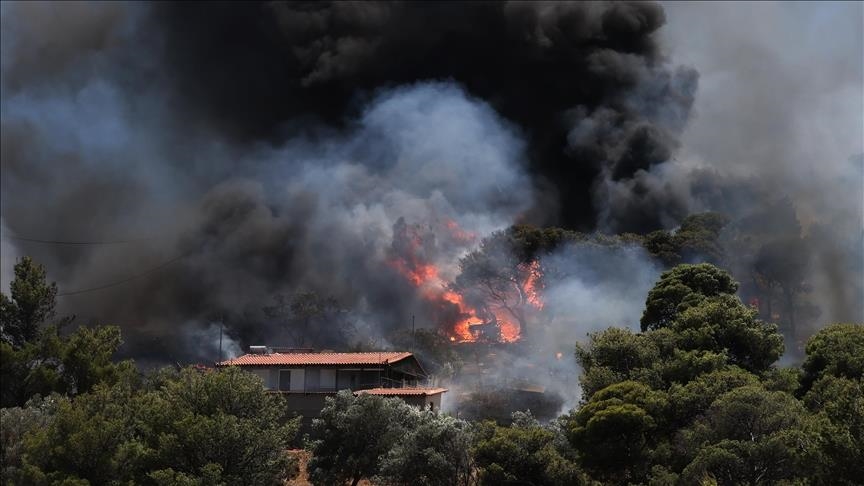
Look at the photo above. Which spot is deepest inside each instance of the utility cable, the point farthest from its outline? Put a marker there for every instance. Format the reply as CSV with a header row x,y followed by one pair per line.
x,y
127,279
61,242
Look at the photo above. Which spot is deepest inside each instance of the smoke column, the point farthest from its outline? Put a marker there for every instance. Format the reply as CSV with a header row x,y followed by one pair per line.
x,y
268,148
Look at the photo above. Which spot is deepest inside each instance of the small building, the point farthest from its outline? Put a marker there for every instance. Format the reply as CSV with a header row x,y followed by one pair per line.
x,y
421,397
307,378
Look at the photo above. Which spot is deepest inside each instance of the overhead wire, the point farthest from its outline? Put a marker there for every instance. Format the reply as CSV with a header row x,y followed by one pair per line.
x,y
125,280
100,242
62,242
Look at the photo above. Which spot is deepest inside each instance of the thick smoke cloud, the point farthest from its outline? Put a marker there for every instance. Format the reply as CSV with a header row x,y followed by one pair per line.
x,y
270,148
273,147
318,213
256,72
777,141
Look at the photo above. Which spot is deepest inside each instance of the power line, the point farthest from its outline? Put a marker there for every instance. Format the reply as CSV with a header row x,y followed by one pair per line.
x,y
125,280
62,242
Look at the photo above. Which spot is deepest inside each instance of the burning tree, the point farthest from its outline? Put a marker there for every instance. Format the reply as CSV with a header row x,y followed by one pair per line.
x,y
492,296
502,283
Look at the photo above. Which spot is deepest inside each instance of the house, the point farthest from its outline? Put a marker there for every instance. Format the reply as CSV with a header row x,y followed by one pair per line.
x,y
307,378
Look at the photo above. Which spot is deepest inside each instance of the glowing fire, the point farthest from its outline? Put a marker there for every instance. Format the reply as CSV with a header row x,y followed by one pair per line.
x,y
407,259
417,274
468,318
458,233
531,283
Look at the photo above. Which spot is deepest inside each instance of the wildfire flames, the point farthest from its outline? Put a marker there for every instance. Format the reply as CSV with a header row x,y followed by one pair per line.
x,y
531,283
426,277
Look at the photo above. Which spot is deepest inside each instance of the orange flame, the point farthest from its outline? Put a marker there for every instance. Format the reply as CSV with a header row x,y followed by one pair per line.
x,y
468,318
418,274
530,286
458,233
426,277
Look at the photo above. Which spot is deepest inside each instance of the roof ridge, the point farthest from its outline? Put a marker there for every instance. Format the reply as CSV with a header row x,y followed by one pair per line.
x,y
348,352
368,357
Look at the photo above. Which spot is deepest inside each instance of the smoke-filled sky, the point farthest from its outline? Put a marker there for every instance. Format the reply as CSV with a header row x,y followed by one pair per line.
x,y
245,150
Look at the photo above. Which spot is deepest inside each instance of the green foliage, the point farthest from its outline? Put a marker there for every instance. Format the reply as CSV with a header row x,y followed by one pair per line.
x,y
435,450
786,379
682,367
617,349
740,422
195,427
724,324
15,424
751,436
67,365
523,453
209,475
90,439
31,303
840,402
355,432
368,436
692,399
657,358
682,287
836,350
615,431
528,242
703,330
224,418
613,355
36,360
698,238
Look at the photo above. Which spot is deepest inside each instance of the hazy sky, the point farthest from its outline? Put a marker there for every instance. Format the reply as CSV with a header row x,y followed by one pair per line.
x,y
781,83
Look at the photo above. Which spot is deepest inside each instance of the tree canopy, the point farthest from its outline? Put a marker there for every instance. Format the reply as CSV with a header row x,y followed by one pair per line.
x,y
524,453
70,365
836,350
187,427
369,436
30,305
682,287
696,397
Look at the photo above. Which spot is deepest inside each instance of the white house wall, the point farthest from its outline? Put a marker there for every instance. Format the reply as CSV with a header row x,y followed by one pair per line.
x,y
298,380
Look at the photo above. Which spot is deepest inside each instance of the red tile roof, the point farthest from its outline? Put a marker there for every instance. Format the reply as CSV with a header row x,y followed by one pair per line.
x,y
402,392
306,359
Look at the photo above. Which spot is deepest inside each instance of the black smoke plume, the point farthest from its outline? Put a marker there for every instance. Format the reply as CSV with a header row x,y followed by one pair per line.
x,y
245,151
585,81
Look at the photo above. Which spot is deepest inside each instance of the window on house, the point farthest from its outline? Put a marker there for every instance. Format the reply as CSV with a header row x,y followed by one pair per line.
x,y
284,380
328,379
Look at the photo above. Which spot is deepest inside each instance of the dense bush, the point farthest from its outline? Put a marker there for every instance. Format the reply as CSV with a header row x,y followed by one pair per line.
x,y
694,399
524,453
369,436
191,427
